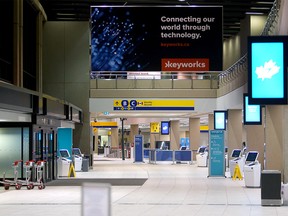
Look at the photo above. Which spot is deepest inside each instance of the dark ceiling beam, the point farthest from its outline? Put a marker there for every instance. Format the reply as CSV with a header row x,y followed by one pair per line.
x,y
233,10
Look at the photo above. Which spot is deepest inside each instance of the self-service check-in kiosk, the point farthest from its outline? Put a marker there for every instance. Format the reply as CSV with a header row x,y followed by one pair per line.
x,y
63,162
77,159
202,156
252,170
236,159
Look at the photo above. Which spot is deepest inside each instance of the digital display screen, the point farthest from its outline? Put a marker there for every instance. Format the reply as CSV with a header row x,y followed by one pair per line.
x,y
252,113
64,153
123,38
202,149
76,151
165,127
267,70
252,156
220,120
236,153
183,148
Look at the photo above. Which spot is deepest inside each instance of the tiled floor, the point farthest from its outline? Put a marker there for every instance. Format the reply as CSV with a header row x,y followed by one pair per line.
x,y
177,190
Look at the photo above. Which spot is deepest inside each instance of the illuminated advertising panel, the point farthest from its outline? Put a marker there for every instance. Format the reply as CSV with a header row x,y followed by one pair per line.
x,y
166,38
220,117
252,113
267,70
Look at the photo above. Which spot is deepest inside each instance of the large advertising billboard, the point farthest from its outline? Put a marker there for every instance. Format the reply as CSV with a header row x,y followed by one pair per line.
x,y
130,38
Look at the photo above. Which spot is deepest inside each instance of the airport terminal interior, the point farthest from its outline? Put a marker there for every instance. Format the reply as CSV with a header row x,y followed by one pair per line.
x,y
139,107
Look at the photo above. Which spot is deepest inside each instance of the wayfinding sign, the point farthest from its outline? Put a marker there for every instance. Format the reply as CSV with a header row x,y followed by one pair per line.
x,y
216,153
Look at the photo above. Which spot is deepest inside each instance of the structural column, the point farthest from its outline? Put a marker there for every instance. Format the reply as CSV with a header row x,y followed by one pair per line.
x,y
255,140
95,143
18,44
234,130
174,135
275,135
153,138
114,138
134,130
211,121
39,56
194,133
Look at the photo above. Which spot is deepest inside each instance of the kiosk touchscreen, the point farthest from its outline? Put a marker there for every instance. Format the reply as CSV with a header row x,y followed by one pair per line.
x,y
202,156
236,159
252,157
76,151
64,153
201,149
252,170
183,148
236,153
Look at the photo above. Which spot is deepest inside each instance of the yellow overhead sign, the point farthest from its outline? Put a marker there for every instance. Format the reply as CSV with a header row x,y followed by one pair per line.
x,y
104,124
154,105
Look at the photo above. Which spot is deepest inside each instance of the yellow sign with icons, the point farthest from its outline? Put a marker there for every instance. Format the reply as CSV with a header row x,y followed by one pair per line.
x,y
168,105
154,127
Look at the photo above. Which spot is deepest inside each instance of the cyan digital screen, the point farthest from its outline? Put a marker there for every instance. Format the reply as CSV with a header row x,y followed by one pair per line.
x,y
252,113
267,68
220,120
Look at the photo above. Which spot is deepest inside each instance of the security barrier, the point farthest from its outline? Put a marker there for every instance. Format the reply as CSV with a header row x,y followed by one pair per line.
x,y
175,156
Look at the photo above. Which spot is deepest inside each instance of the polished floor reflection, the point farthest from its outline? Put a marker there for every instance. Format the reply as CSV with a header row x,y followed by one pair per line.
x,y
179,189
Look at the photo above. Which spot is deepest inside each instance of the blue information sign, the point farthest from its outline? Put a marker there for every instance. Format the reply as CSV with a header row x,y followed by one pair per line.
x,y
216,153
138,148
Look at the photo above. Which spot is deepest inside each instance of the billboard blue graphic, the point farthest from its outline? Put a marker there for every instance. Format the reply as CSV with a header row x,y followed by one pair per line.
x,y
123,38
252,113
216,153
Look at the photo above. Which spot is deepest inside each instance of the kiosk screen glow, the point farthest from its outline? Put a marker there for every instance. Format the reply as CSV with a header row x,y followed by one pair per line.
x,y
146,38
267,70
219,120
252,112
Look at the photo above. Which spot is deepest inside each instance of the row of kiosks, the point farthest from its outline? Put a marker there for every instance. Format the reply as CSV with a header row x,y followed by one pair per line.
x,y
64,162
248,166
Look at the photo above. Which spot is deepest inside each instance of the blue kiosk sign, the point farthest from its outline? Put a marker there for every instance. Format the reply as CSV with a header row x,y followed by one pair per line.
x,y
138,148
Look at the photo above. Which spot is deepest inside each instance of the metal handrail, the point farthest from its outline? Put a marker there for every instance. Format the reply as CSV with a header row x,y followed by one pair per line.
x,y
270,23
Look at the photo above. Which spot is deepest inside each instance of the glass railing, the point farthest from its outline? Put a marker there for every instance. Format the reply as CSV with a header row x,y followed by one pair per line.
x,y
187,80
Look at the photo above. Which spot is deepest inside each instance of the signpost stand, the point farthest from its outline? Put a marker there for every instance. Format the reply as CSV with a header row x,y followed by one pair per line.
x,y
138,148
216,153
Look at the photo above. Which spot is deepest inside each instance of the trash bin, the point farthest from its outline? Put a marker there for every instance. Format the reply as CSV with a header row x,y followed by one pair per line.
x,y
271,188
85,164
